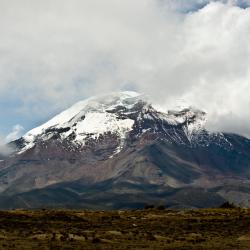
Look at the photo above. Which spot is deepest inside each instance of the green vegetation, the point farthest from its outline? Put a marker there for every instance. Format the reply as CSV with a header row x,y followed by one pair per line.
x,y
151,228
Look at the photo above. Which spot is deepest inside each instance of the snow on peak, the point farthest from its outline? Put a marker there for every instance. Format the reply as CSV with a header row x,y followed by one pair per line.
x,y
87,117
97,116
194,120
97,103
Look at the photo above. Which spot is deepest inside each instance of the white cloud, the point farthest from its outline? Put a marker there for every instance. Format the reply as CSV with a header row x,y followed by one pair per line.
x,y
4,149
53,53
16,133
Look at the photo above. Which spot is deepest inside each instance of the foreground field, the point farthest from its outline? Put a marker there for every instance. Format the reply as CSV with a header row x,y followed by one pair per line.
x,y
140,229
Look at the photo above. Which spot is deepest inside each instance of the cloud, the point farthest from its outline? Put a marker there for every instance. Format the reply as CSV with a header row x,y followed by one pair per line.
x,y
194,5
16,133
54,53
5,150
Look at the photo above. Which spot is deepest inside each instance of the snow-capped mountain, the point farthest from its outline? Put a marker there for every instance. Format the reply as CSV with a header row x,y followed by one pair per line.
x,y
87,120
119,114
120,150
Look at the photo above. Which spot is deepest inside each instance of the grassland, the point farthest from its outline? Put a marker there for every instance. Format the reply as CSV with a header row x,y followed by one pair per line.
x,y
138,229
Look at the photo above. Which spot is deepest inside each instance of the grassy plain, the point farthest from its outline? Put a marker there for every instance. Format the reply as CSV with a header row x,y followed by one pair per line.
x,y
137,229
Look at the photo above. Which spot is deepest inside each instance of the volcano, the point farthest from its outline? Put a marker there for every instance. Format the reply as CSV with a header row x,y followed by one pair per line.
x,y
119,151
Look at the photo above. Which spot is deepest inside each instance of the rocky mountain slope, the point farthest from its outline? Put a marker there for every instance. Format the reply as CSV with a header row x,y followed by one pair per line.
x,y
119,151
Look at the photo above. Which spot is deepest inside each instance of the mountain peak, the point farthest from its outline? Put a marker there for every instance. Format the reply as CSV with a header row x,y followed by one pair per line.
x,y
88,118
116,113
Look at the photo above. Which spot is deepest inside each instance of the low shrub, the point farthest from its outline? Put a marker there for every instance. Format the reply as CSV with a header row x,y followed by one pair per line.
x,y
227,204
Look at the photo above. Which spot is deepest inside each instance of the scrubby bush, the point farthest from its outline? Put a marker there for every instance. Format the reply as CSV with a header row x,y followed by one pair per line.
x,y
161,207
96,240
148,206
227,204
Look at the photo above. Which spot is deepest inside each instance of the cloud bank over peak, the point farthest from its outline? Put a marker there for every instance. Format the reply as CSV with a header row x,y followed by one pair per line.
x,y
5,150
17,131
54,53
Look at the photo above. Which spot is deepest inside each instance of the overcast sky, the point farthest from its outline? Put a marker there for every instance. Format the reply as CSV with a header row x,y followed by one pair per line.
x,y
56,52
